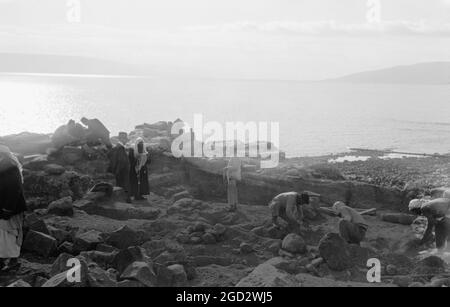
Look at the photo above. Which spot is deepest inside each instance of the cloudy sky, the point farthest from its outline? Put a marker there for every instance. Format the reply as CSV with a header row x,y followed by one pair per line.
x,y
268,39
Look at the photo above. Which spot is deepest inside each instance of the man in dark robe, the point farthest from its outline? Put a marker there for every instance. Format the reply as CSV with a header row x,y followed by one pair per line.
x,y
120,167
139,160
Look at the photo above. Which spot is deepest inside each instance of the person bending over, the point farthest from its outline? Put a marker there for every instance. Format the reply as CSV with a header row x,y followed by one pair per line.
x,y
288,206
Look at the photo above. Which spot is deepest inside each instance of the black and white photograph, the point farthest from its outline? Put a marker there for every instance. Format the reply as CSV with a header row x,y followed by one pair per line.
x,y
224,149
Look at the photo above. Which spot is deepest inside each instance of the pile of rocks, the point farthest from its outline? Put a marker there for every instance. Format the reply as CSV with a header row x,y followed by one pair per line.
x,y
202,233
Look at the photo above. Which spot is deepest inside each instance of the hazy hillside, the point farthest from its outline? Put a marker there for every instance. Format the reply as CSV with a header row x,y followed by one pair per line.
x,y
423,73
38,63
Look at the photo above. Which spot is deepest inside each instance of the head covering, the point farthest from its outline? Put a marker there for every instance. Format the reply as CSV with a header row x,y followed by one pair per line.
x,y
8,160
416,204
338,206
140,157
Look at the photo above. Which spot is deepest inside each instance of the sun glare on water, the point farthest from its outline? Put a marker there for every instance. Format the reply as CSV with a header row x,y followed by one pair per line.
x,y
33,107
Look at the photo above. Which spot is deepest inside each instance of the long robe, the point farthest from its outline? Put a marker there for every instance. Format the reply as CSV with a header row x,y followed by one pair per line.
x,y
120,166
139,186
12,206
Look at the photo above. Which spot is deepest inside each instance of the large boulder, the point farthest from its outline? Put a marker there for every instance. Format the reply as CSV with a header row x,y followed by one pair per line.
x,y
127,256
33,222
432,265
101,258
99,278
179,276
64,267
61,207
140,271
125,237
60,235
87,241
335,251
39,243
294,244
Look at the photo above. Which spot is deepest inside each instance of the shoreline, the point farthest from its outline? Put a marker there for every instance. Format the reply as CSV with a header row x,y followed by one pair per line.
x,y
372,167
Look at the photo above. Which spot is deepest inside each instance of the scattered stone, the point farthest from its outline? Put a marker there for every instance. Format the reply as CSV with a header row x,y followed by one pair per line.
x,y
87,241
275,247
316,262
219,230
54,169
195,240
101,258
118,210
275,233
32,222
124,237
66,247
191,272
431,265
246,248
127,256
63,268
140,271
183,238
208,238
39,281
39,243
181,195
439,282
60,235
402,281
179,276
61,207
105,248
266,275
391,269
60,264
200,227
130,284
416,285
285,253
19,284
334,250
98,278
294,244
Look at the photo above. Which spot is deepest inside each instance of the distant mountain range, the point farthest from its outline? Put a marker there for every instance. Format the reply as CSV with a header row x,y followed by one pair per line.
x,y
422,73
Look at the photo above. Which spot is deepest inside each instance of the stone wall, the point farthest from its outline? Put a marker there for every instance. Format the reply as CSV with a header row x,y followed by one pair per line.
x,y
256,189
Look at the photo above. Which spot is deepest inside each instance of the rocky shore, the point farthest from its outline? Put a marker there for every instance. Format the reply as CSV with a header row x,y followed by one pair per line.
x,y
184,235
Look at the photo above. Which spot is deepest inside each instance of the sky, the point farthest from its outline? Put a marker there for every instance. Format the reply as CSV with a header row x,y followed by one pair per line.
x,y
255,39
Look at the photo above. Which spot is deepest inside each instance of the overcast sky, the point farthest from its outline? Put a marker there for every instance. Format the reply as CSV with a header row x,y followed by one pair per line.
x,y
269,39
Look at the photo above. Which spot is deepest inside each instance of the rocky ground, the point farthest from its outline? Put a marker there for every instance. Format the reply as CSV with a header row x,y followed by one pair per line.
x,y
398,172
182,236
